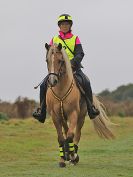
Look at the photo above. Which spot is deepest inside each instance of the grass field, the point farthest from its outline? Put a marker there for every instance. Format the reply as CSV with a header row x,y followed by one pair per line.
x,y
30,149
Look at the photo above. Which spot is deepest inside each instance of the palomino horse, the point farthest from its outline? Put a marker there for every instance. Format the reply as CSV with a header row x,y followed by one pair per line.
x,y
67,106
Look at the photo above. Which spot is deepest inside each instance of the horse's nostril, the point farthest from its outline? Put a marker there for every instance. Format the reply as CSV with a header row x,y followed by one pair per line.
x,y
55,81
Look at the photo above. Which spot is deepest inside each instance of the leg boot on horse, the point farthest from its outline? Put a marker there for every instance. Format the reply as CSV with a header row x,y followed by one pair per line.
x,y
85,83
40,113
62,156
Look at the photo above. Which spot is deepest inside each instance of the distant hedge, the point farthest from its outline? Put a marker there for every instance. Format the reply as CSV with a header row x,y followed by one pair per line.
x,y
3,116
120,101
21,108
122,93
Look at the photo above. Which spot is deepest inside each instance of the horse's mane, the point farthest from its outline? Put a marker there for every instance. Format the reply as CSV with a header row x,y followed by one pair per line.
x,y
68,64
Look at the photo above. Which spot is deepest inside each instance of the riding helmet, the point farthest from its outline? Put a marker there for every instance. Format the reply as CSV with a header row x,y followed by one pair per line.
x,y
65,17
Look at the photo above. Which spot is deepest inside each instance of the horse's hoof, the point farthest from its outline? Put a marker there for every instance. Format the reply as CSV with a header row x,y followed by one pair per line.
x,y
62,164
67,158
75,161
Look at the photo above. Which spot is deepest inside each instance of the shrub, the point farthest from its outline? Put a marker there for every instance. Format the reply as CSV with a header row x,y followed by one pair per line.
x,y
3,116
121,114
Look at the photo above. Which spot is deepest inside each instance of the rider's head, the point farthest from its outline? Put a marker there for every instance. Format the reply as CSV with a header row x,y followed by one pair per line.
x,y
65,22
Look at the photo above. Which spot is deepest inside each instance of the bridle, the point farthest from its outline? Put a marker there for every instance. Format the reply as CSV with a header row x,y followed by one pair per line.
x,y
59,73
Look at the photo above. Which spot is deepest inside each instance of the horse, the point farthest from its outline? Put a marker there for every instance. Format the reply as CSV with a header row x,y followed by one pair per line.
x,y
67,106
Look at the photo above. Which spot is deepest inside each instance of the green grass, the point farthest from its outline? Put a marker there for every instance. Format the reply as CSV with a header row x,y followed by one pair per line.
x,y
30,149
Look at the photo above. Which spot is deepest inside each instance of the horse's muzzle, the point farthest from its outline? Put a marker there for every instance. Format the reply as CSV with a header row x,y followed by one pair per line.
x,y
53,79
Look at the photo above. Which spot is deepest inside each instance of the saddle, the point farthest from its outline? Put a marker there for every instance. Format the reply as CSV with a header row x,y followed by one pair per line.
x,y
79,82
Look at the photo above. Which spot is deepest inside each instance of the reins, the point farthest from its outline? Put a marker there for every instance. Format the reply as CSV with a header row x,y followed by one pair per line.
x,y
39,84
58,75
63,98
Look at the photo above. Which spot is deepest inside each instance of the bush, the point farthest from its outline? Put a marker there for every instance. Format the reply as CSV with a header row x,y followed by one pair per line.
x,y
121,114
3,116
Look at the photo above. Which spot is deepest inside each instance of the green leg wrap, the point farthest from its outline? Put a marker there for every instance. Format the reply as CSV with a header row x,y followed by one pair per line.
x,y
61,149
71,147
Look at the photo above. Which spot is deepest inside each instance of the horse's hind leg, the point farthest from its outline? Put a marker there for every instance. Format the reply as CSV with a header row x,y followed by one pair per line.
x,y
77,136
80,122
79,126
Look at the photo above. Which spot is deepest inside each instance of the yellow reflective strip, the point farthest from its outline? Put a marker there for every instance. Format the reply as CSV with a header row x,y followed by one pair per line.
x,y
71,149
60,148
61,154
71,144
63,18
69,17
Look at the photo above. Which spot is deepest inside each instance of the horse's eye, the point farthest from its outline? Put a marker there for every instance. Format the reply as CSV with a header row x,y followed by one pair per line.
x,y
58,52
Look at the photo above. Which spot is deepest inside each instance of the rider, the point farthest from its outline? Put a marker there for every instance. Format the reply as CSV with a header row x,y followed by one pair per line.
x,y
73,47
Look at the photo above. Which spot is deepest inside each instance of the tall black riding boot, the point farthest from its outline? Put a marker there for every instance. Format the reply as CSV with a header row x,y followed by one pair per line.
x,y
40,113
92,111
84,81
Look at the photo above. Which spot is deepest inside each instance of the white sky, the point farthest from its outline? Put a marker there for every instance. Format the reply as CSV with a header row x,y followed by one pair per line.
x,y
105,28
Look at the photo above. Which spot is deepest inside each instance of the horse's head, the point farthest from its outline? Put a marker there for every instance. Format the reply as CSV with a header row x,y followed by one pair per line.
x,y
55,63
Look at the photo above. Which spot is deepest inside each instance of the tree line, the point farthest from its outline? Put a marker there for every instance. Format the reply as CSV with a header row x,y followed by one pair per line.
x,y
21,108
118,103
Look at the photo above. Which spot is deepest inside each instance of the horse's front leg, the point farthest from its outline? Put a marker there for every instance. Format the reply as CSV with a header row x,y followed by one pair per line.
x,y
69,145
61,140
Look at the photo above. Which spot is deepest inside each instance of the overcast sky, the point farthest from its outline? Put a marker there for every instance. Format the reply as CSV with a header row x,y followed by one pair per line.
x,y
105,28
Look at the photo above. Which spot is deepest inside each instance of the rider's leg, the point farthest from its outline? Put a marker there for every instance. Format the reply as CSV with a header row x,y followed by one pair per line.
x,y
85,82
40,113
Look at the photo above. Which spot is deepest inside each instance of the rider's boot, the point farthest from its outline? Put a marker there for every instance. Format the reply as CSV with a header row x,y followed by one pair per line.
x,y
40,113
92,111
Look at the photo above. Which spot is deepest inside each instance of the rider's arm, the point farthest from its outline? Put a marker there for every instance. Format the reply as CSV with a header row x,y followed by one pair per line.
x,y
78,53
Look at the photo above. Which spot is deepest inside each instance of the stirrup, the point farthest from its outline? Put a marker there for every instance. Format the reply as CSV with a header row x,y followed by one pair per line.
x,y
37,112
37,115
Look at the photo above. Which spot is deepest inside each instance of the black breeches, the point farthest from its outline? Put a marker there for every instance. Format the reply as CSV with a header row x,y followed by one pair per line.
x,y
85,83
43,90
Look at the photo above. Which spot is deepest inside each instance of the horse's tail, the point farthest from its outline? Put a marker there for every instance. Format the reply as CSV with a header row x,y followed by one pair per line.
x,y
102,122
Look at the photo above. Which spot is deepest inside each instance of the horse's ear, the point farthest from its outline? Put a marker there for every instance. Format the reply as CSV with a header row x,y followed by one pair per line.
x,y
47,46
59,46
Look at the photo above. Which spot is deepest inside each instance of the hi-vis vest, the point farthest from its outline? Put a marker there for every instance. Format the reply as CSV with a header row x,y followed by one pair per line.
x,y
70,42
